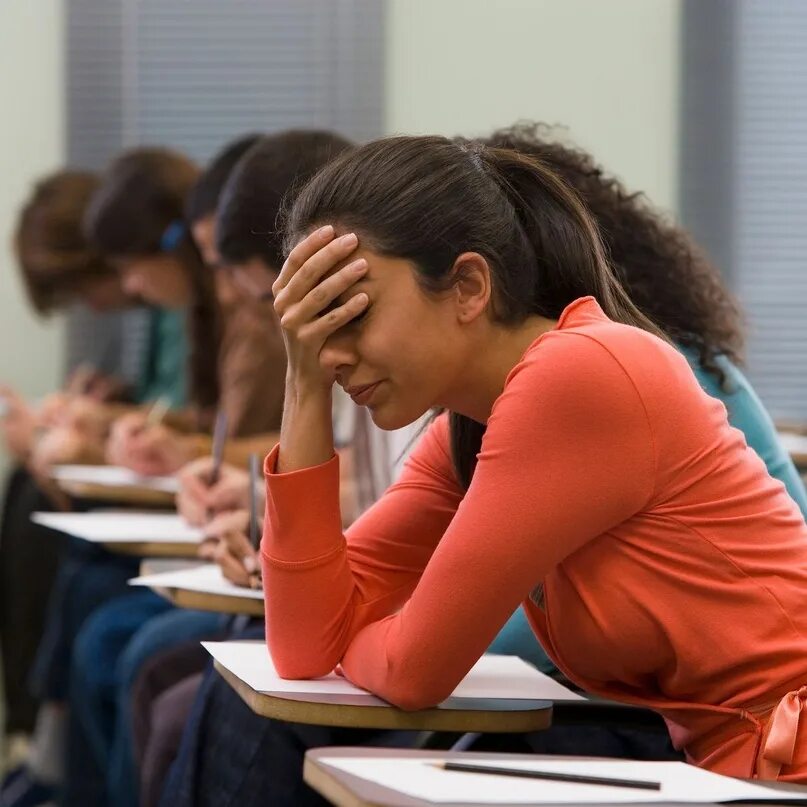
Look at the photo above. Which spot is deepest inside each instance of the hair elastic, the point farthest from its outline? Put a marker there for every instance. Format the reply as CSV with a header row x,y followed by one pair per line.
x,y
172,236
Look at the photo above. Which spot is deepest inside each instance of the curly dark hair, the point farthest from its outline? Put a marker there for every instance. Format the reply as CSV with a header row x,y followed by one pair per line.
x,y
666,275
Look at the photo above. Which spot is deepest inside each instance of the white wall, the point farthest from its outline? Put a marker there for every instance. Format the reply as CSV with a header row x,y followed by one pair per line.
x,y
607,70
31,143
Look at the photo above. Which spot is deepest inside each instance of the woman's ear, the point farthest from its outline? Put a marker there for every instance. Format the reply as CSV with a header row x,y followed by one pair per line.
x,y
471,287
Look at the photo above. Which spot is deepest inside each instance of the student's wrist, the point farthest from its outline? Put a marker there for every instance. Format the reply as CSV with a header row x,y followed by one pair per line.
x,y
306,434
307,388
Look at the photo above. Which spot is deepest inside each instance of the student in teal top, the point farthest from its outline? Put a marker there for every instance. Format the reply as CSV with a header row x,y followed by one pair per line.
x,y
135,220
164,372
671,280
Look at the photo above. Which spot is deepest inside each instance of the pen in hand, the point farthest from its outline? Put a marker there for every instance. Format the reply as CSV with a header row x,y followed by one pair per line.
x,y
219,439
157,412
254,532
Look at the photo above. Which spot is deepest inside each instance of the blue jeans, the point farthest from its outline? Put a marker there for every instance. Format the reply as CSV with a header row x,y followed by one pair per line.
x,y
88,577
110,651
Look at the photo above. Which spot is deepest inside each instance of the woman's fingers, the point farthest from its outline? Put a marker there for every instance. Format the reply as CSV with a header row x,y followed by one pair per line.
x,y
239,546
318,330
207,548
231,567
308,247
227,522
323,295
309,275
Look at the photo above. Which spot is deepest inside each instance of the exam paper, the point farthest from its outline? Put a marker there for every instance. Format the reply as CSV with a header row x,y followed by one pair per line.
x,y
490,677
206,579
113,476
679,782
125,526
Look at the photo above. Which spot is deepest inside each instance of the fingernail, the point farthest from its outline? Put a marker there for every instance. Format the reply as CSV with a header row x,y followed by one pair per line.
x,y
359,266
250,565
326,230
350,238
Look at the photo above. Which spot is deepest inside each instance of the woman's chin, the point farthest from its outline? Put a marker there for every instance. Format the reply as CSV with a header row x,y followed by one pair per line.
x,y
389,417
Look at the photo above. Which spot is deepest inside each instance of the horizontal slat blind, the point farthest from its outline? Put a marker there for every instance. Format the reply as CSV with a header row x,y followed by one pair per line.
x,y
771,203
193,75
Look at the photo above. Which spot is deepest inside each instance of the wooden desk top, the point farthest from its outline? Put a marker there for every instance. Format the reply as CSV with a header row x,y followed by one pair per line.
x,y
219,603
796,444
140,497
345,790
799,459
370,712
153,549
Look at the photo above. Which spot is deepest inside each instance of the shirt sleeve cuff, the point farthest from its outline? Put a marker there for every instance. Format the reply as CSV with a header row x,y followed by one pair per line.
x,y
303,519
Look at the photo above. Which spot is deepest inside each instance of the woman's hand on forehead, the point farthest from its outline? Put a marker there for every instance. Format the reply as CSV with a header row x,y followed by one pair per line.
x,y
317,276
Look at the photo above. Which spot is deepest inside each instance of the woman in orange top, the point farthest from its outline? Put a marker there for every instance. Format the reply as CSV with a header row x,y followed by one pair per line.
x,y
580,470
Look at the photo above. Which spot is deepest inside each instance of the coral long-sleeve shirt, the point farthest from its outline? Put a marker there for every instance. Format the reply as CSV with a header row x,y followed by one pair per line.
x,y
657,560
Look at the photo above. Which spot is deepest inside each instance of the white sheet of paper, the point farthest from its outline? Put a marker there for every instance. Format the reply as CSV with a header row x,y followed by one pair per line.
x,y
679,782
125,526
113,476
206,579
794,443
491,676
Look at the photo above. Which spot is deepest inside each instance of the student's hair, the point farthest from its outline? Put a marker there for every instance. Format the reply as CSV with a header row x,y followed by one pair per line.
x,y
204,196
50,247
141,200
663,271
428,199
274,169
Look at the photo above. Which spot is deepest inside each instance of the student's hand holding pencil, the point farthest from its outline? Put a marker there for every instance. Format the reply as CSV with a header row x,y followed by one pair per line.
x,y
121,434
88,417
149,448
197,499
238,561
231,521
156,450
227,543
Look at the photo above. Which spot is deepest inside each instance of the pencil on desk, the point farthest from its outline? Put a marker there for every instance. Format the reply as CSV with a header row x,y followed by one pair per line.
x,y
572,778
219,439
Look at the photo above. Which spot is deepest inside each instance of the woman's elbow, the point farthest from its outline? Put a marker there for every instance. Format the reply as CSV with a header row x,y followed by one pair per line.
x,y
300,669
299,663
412,695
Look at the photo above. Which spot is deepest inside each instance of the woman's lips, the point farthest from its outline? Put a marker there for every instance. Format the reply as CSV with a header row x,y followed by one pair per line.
x,y
361,395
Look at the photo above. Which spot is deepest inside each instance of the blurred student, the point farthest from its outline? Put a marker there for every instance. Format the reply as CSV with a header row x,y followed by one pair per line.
x,y
58,268
245,235
134,221
125,632
251,360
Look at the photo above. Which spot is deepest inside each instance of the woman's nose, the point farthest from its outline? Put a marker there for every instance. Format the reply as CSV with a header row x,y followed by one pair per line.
x,y
337,353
